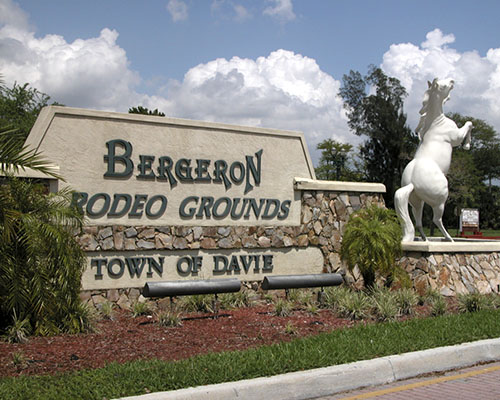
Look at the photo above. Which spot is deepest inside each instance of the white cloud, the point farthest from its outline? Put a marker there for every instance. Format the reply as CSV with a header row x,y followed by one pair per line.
x,y
241,13
178,10
90,73
230,10
477,78
281,10
11,13
283,90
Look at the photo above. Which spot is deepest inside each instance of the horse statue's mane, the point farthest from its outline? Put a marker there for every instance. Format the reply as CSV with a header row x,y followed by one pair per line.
x,y
425,123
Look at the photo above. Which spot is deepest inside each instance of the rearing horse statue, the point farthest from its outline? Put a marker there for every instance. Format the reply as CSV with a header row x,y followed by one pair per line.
x,y
424,178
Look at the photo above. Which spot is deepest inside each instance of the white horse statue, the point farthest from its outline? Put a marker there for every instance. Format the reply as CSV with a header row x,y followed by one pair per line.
x,y
424,178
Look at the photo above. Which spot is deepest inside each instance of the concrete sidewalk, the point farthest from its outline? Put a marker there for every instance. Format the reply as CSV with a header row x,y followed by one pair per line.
x,y
330,380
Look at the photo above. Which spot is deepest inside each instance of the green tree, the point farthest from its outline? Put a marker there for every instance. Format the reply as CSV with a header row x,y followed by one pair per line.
x,y
485,147
374,105
372,241
471,175
334,162
20,106
145,111
40,261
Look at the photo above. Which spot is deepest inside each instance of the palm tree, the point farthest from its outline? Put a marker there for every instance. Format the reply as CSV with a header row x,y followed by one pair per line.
x,y
372,241
41,263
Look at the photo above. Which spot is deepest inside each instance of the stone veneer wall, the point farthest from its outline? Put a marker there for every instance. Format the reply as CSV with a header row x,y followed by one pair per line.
x,y
453,273
324,215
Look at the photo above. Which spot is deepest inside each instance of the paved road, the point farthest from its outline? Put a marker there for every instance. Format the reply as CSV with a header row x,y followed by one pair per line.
x,y
481,382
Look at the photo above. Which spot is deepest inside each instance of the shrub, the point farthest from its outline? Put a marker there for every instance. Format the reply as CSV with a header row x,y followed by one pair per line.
x,y
355,305
169,319
19,331
290,329
106,310
438,305
282,308
300,297
19,359
406,300
334,295
234,300
140,308
198,303
372,241
385,304
312,308
472,302
42,263
429,296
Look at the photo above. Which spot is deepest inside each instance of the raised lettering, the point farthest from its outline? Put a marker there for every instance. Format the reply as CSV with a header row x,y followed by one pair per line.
x,y
112,158
254,170
192,210
116,200
145,167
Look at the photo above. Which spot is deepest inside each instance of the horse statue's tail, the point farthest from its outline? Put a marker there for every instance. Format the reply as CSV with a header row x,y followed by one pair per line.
x,y
401,204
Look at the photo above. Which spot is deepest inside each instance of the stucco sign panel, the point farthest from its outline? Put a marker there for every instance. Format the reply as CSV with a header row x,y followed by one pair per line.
x,y
132,169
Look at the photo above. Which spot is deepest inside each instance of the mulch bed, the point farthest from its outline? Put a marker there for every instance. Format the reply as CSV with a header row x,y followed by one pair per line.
x,y
125,338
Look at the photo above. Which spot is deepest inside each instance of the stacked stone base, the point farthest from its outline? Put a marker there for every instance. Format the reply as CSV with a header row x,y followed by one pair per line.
x,y
453,273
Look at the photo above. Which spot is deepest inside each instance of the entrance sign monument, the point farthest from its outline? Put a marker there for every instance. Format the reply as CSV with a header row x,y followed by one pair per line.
x,y
169,199
424,178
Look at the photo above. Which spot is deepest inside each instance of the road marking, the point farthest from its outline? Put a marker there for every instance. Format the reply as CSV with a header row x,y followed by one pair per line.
x,y
422,383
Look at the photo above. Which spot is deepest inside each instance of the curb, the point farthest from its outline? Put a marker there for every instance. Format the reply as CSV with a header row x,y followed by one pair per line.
x,y
330,380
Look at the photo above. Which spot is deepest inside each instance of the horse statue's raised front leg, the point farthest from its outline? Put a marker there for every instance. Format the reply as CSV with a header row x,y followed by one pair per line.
x,y
466,130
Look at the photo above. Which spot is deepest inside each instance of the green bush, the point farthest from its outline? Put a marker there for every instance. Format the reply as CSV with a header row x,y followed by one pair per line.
x,y
372,241
140,308
169,319
234,300
355,305
300,297
472,302
282,307
334,295
198,303
41,263
438,305
385,304
406,300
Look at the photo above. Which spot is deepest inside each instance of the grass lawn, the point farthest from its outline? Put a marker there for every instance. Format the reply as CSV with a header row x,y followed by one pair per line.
x,y
337,347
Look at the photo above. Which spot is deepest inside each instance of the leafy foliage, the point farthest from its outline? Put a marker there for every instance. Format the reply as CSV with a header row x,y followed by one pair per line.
x,y
372,241
20,106
355,305
283,308
141,308
406,299
169,319
378,114
41,262
335,162
14,155
145,111
472,175
472,302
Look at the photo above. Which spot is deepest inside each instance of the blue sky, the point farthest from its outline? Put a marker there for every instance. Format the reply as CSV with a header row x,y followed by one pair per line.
x,y
272,63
